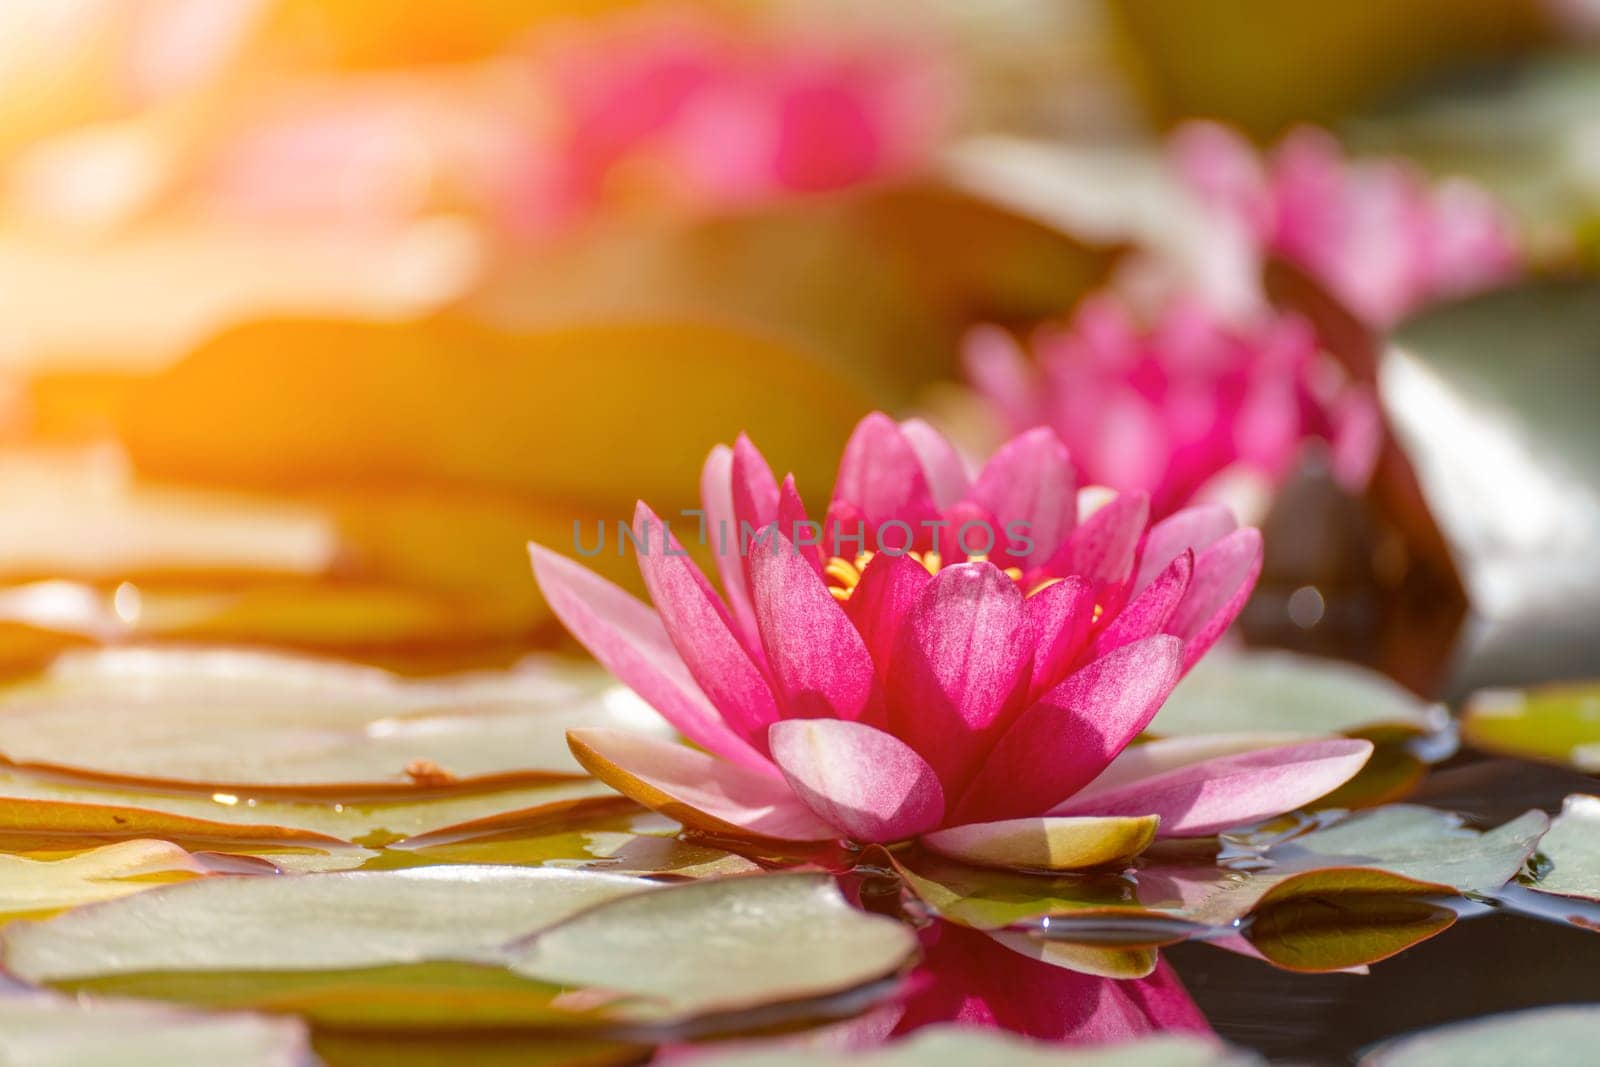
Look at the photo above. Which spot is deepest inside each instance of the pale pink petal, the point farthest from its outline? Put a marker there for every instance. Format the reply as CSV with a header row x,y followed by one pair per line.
x,y
722,537
1234,790
755,490
883,598
1045,843
869,784
1148,612
701,630
818,660
1357,438
943,466
960,661
1224,577
997,368
1059,617
696,789
1061,743
1030,480
1101,550
1195,528
629,641
880,475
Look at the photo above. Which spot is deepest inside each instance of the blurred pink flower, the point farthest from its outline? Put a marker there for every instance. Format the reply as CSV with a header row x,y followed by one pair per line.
x,y
951,654
1378,233
1179,409
724,116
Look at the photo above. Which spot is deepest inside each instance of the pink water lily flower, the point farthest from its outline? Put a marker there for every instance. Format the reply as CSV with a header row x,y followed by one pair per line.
x,y
1186,407
1381,235
875,678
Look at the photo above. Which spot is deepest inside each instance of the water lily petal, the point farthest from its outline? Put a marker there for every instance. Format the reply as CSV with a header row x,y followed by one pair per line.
x,y
958,663
628,639
819,662
696,789
868,783
1030,480
880,475
1060,616
942,465
700,629
1046,844
1061,743
722,535
1102,548
1216,794
1194,528
1224,577
1150,610
883,598
796,525
999,369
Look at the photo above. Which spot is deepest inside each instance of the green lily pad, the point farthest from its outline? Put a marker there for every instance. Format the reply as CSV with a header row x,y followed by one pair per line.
x,y
958,1046
1553,723
251,722
718,945
1556,1035
1284,692
34,886
1572,851
48,1030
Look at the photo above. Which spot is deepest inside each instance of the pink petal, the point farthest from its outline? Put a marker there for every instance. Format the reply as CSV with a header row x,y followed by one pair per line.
x,y
997,368
1101,550
869,784
701,630
1150,610
882,600
1194,528
1216,794
755,490
818,660
943,466
722,535
629,641
1224,577
1061,743
696,789
1060,616
880,475
1030,480
795,525
959,662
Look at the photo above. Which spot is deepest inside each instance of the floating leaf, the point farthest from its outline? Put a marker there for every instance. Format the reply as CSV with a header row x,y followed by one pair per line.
x,y
961,1046
1246,692
48,805
1563,1034
1554,723
719,945
1047,844
31,886
308,922
47,1030
1572,851
245,721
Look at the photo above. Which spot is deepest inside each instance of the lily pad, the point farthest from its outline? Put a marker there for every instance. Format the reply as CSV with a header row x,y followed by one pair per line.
x,y
719,945
1572,851
1553,723
1284,692
33,886
1556,1035
307,922
50,805
48,1030
959,1046
250,721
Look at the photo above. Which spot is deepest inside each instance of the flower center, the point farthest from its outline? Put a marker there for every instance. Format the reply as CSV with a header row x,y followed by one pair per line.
x,y
843,575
